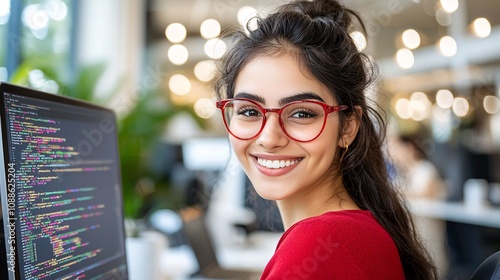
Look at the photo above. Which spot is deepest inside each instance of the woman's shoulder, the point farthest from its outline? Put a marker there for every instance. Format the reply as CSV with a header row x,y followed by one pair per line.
x,y
350,242
351,229
356,229
339,223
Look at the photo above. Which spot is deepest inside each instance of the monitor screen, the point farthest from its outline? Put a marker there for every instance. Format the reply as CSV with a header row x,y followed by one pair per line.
x,y
60,188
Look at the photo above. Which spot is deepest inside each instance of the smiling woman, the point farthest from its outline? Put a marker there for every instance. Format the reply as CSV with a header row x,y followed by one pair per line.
x,y
292,99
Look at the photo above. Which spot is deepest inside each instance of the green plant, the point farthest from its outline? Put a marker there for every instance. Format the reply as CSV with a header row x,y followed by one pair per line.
x,y
138,134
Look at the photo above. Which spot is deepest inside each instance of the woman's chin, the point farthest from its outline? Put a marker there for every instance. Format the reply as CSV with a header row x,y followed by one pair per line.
x,y
271,192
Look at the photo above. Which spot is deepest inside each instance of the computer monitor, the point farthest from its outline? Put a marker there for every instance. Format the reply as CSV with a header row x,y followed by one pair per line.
x,y
60,187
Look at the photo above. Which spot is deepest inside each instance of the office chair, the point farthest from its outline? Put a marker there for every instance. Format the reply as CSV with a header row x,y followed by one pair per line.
x,y
489,269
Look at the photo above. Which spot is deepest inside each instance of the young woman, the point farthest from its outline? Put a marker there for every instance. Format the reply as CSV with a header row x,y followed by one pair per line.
x,y
292,98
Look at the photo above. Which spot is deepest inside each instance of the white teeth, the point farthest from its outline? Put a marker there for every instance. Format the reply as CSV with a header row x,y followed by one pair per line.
x,y
274,164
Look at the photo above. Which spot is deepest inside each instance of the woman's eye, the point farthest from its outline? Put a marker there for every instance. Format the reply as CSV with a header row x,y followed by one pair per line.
x,y
248,112
303,114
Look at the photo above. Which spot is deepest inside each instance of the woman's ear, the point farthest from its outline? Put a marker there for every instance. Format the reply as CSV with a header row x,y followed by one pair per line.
x,y
350,127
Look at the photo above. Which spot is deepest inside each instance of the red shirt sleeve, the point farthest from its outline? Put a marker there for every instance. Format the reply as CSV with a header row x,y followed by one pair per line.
x,y
336,245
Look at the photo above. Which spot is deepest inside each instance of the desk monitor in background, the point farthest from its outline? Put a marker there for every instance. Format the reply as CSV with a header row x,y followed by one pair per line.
x,y
60,187
200,240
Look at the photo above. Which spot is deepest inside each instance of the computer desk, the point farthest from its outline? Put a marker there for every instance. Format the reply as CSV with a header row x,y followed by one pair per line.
x,y
488,216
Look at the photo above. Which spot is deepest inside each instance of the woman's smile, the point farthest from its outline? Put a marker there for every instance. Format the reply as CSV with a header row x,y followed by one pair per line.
x,y
275,164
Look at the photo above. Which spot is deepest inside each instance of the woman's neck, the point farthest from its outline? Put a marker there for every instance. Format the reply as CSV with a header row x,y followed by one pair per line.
x,y
314,203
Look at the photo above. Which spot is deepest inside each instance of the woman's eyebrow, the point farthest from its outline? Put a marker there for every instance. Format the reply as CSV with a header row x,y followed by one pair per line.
x,y
299,97
282,101
250,96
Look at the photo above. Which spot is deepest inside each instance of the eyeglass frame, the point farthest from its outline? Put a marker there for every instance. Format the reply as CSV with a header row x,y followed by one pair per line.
x,y
328,109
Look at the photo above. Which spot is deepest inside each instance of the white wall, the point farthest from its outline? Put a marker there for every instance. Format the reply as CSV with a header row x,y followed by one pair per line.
x,y
112,31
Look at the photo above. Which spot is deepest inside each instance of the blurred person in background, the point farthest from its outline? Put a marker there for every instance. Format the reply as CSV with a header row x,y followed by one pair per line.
x,y
418,178
291,93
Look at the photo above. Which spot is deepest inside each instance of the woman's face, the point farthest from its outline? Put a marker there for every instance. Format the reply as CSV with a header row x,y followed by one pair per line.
x,y
309,166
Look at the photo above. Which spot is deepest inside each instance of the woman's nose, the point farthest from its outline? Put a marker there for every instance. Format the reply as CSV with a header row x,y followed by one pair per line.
x,y
272,135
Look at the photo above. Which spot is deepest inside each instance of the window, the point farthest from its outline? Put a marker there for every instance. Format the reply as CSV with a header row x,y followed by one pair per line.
x,y
35,47
4,20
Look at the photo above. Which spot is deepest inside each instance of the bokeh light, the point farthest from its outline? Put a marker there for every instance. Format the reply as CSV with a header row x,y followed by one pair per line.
x,y
403,108
481,27
245,14
178,54
448,46
205,70
359,40
176,32
411,39
215,48
491,104
420,106
460,107
405,58
449,6
56,9
205,108
210,28
444,98
179,84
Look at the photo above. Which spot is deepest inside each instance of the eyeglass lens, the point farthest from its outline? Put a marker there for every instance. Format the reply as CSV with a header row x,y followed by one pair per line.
x,y
302,121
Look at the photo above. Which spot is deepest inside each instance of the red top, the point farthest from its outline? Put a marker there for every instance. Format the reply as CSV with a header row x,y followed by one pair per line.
x,y
336,245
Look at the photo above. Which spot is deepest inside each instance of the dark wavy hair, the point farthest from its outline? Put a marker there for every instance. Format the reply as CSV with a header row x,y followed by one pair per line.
x,y
316,33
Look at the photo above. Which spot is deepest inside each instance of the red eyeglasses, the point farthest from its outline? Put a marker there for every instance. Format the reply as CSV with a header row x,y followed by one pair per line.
x,y
302,121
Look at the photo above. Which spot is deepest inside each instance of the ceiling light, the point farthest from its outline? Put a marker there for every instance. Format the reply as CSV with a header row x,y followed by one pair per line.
x,y
418,95
481,27
449,6
411,39
403,108
245,14
210,28
359,40
460,106
420,106
215,48
175,32
205,108
444,98
405,58
491,104
179,84
205,70
178,54
448,46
